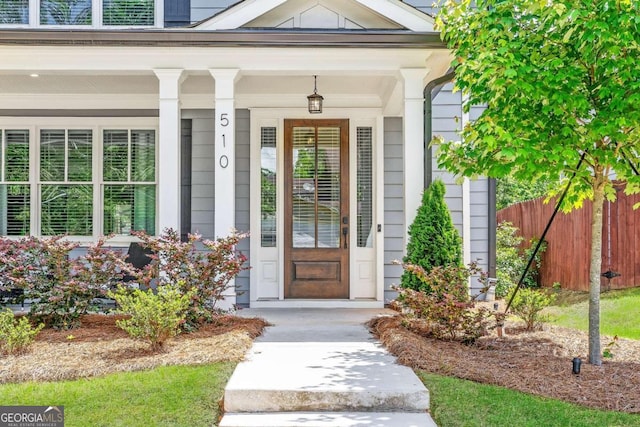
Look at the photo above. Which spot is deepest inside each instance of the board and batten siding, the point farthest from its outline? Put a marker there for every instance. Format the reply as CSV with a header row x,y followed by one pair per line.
x,y
203,182
447,112
394,226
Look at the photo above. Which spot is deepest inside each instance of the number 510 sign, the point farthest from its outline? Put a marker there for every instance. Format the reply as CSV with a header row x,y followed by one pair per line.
x,y
224,122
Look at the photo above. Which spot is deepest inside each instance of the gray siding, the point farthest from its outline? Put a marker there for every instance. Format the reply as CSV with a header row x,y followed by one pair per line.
x,y
243,198
202,168
394,226
203,9
447,110
203,182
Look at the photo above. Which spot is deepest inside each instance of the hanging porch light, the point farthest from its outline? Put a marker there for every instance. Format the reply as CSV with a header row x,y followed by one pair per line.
x,y
315,100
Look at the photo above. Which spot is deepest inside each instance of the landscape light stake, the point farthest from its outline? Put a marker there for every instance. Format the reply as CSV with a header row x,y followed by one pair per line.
x,y
544,233
576,365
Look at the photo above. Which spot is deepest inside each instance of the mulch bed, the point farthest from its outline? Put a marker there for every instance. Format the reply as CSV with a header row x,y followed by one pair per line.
x,y
538,363
98,347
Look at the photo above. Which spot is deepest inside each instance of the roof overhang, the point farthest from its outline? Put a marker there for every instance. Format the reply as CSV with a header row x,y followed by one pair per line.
x,y
231,38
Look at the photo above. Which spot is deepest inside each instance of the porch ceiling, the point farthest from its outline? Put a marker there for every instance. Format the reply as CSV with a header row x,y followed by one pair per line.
x,y
288,89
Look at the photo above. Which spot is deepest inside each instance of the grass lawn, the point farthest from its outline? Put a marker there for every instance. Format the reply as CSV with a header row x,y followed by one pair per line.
x,y
166,396
619,313
460,403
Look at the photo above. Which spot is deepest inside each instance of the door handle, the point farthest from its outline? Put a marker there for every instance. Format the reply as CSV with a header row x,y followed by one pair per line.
x,y
345,233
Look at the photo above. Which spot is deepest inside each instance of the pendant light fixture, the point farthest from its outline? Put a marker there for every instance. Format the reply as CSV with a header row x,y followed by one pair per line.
x,y
315,100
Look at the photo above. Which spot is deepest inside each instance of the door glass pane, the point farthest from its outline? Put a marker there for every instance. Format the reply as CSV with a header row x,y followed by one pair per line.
x,y
316,187
365,187
328,187
304,188
268,186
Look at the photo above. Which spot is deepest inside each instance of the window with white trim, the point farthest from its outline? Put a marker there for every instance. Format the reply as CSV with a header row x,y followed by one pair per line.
x,y
81,182
82,13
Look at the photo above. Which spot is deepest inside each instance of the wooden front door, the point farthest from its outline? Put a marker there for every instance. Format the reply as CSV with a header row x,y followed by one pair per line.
x,y
316,244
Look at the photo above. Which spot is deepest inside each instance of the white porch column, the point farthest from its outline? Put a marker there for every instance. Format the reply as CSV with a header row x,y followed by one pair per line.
x,y
413,142
225,151
225,164
169,149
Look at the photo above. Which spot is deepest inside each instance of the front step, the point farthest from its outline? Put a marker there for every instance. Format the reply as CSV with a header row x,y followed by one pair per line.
x,y
324,419
323,377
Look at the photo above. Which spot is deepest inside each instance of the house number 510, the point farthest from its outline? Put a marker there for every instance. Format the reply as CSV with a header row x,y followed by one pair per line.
x,y
223,161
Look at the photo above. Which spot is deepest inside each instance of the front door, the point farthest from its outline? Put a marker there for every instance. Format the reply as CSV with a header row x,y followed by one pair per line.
x,y
316,244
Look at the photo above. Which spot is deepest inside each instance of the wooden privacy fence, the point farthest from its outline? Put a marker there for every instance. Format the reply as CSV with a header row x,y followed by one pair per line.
x,y
566,259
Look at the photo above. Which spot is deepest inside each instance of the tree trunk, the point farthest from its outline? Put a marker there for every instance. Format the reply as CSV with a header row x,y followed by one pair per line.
x,y
595,267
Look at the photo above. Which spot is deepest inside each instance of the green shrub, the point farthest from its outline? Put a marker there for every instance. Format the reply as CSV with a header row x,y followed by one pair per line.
x,y
512,258
528,304
16,334
446,312
155,316
433,239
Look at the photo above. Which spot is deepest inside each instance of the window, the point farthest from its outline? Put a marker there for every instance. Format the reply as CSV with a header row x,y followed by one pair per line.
x,y
65,12
78,182
15,191
66,188
14,12
268,186
93,13
129,181
365,186
128,12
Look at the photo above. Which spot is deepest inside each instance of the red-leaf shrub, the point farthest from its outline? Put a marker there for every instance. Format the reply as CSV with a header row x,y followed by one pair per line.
x,y
59,287
208,266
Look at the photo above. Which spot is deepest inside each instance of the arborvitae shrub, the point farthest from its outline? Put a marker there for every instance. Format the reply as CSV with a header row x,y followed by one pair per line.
x,y
433,239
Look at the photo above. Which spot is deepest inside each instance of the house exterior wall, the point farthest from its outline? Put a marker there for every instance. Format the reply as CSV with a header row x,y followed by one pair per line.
x,y
474,226
243,200
394,227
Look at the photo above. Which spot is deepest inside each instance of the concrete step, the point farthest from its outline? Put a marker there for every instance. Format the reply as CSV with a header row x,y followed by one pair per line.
x,y
323,377
323,419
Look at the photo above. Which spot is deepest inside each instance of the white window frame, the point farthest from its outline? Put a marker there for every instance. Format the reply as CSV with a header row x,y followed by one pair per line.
x,y
97,125
96,18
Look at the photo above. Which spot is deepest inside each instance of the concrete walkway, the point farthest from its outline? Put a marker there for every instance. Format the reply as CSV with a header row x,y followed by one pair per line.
x,y
321,368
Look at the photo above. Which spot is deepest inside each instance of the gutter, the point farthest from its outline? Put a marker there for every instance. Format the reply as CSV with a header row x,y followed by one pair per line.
x,y
431,90
378,39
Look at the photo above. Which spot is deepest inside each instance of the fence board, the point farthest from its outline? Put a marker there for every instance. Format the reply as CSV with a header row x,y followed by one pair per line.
x,y
566,259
